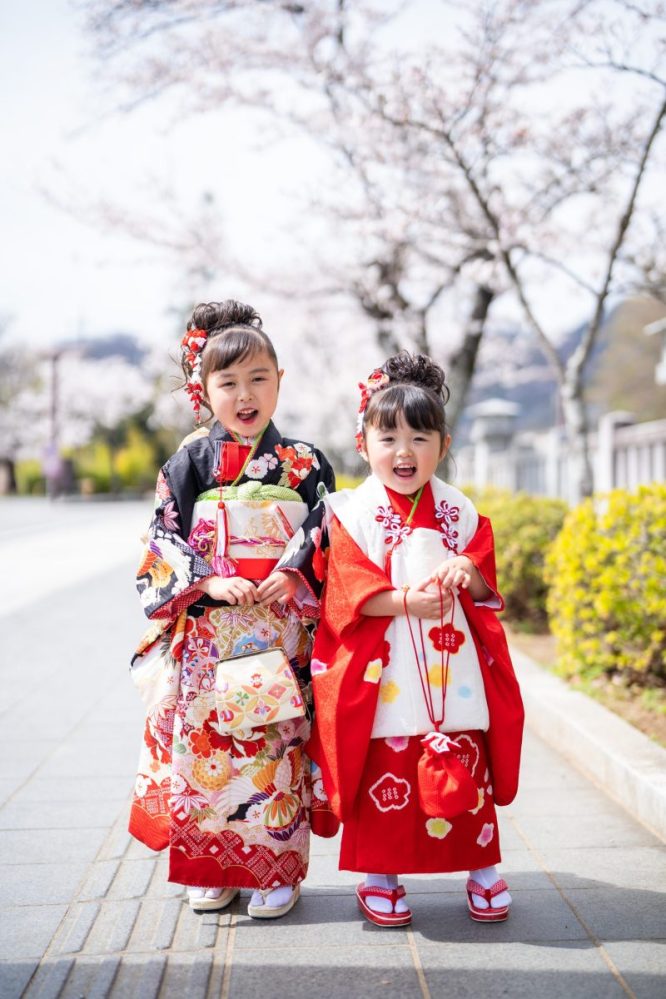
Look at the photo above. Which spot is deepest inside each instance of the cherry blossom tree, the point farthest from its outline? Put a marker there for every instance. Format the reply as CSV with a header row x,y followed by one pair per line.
x,y
510,162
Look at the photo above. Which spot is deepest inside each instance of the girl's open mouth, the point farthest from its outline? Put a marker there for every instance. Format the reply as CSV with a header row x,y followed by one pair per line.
x,y
247,415
404,471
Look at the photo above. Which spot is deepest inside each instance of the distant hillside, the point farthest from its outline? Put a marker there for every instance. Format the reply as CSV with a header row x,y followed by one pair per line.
x,y
511,366
125,345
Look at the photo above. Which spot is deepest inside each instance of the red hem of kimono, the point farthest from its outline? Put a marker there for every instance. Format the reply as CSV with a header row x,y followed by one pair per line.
x,y
287,869
388,833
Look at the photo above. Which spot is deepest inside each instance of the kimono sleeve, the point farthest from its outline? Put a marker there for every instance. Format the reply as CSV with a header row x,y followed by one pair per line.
x,y
481,551
170,571
304,555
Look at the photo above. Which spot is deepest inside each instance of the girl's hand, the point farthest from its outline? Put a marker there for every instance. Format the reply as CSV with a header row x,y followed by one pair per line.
x,y
231,589
428,601
278,587
456,571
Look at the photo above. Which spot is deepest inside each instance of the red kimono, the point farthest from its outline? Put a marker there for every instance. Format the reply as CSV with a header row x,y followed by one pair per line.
x,y
372,781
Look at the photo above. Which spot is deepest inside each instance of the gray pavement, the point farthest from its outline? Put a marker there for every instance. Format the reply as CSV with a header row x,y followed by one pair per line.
x,y
86,911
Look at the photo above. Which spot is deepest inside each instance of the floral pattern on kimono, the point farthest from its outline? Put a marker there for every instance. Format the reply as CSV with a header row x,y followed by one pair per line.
x,y
233,811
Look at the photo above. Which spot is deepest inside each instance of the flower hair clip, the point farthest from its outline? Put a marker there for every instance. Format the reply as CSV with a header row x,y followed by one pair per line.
x,y
377,380
191,347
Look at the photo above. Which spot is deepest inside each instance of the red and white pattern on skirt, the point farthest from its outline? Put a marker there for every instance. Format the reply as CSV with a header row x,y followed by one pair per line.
x,y
388,833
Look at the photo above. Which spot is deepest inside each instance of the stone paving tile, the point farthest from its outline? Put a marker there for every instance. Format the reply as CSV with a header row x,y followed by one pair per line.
x,y
14,977
139,851
110,760
98,879
613,829
445,918
50,979
59,815
25,931
155,926
637,867
72,789
622,913
92,977
201,930
44,846
309,924
187,975
139,977
132,879
8,787
345,971
39,884
518,970
20,760
112,929
643,965
575,802
159,886
75,928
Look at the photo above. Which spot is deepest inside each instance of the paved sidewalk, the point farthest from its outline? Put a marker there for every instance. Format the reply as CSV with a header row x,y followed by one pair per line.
x,y
88,912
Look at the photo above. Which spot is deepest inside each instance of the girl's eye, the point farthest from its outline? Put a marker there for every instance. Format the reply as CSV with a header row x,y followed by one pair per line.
x,y
259,378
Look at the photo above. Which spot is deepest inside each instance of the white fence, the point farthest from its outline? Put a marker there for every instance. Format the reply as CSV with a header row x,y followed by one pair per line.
x,y
623,454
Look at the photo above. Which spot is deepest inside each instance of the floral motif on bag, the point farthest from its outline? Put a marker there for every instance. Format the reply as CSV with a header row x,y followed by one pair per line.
x,y
448,515
297,460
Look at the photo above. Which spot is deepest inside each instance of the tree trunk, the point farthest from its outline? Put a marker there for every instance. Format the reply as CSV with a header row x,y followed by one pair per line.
x,y
581,482
463,362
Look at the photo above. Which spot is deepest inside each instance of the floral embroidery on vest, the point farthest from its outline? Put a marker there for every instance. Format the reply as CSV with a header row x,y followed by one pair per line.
x,y
447,516
394,526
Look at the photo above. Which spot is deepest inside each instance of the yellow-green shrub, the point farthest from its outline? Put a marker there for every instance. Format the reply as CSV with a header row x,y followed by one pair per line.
x,y
524,527
607,573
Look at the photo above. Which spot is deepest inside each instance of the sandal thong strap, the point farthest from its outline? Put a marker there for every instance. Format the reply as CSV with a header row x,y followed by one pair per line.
x,y
392,894
474,888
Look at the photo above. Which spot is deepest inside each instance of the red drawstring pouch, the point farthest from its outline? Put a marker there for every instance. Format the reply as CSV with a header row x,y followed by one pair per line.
x,y
446,787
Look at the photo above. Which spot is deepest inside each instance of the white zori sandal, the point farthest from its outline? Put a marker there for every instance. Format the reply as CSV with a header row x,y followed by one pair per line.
x,y
271,903
209,899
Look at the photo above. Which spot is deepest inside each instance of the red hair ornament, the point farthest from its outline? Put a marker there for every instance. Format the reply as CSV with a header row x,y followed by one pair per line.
x,y
191,347
376,381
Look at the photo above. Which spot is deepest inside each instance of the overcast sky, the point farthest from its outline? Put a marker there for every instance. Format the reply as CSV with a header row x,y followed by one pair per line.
x,y
61,142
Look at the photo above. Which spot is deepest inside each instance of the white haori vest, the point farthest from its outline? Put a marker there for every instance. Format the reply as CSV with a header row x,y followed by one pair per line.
x,y
366,515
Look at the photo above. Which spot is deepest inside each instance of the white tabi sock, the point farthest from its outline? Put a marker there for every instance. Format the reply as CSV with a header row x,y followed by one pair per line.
x,y
378,904
278,897
486,877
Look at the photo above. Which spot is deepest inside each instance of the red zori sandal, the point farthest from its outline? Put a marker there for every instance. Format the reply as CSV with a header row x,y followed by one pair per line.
x,y
383,918
488,915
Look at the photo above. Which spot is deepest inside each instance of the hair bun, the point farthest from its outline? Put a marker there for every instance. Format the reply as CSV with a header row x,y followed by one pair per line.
x,y
415,369
218,316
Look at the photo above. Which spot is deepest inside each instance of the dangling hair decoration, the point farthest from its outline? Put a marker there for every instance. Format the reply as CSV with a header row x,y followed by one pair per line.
x,y
191,347
377,380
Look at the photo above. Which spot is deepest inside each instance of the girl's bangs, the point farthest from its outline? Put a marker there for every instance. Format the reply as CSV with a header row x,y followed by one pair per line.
x,y
233,346
420,408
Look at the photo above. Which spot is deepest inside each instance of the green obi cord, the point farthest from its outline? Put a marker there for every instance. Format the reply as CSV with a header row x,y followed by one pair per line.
x,y
256,491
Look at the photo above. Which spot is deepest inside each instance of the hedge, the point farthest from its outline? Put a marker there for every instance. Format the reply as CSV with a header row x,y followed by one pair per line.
x,y
607,576
524,527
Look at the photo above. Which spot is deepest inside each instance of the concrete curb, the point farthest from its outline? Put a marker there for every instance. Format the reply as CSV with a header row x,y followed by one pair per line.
x,y
627,765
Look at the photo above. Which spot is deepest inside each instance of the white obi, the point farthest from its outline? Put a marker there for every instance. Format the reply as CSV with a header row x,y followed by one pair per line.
x,y
259,530
401,708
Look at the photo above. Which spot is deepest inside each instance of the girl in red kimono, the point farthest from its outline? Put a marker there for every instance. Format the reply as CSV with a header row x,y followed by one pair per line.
x,y
408,646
